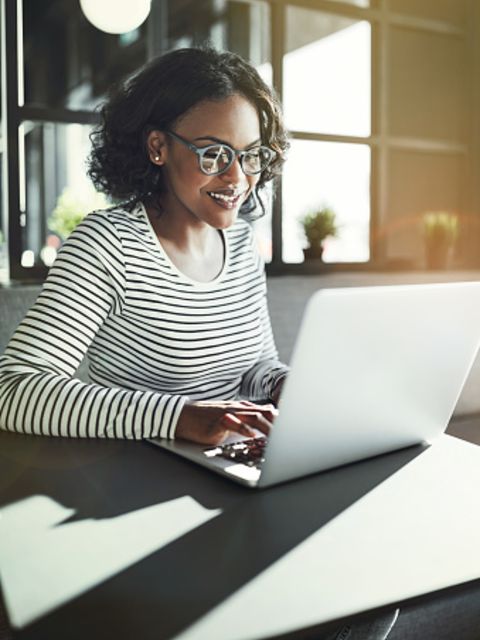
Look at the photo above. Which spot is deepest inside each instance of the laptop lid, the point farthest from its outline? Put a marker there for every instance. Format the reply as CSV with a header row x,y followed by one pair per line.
x,y
374,369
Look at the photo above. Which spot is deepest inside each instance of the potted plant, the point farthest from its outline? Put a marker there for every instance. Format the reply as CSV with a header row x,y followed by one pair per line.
x,y
72,207
318,225
440,232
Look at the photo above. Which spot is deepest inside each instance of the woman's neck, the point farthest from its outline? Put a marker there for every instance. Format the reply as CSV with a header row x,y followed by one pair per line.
x,y
197,250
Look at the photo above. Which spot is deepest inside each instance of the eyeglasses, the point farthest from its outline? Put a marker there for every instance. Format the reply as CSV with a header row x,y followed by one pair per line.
x,y
218,158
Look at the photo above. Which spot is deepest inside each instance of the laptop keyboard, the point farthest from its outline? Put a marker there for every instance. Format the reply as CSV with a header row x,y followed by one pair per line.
x,y
249,452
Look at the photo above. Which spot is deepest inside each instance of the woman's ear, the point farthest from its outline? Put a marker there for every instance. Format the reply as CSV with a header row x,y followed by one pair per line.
x,y
157,147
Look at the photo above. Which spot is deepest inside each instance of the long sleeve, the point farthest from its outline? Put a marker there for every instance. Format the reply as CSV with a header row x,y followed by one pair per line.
x,y
260,380
38,393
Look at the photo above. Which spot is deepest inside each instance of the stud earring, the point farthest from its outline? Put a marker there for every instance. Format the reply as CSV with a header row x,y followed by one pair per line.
x,y
156,158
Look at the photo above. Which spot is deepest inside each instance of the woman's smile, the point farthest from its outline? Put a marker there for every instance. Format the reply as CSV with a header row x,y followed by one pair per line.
x,y
227,198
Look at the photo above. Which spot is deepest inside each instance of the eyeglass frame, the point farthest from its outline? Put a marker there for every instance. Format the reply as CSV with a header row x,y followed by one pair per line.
x,y
201,151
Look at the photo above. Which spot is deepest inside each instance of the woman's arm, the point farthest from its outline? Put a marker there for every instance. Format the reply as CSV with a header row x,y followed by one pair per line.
x,y
38,393
264,380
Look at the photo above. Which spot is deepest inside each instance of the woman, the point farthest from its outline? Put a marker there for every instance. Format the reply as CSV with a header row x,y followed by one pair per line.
x,y
166,291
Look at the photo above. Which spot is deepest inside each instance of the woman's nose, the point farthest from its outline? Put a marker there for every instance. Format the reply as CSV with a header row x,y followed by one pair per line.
x,y
235,172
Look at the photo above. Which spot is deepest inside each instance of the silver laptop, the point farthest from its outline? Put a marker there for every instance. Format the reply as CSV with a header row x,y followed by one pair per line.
x,y
374,369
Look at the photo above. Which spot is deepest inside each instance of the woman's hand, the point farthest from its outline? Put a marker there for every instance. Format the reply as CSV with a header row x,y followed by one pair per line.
x,y
212,422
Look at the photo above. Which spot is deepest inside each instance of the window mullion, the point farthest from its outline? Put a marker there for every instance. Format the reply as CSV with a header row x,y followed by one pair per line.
x,y
12,151
277,39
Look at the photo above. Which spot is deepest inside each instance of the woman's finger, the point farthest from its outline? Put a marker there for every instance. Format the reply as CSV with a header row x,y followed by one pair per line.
x,y
233,406
254,419
270,411
231,422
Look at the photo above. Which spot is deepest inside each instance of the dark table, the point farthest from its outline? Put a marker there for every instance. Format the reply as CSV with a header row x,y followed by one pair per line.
x,y
148,544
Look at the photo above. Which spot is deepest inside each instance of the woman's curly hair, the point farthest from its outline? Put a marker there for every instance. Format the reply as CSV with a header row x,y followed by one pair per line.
x,y
155,98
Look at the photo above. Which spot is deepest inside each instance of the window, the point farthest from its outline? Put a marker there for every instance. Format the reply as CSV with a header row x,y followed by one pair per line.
x,y
315,176
67,62
53,155
55,84
334,101
381,98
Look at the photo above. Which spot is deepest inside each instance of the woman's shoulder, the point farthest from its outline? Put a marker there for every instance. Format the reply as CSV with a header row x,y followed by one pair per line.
x,y
113,215
101,231
118,220
241,232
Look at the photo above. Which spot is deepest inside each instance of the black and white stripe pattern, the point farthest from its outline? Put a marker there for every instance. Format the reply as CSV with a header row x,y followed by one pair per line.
x,y
154,337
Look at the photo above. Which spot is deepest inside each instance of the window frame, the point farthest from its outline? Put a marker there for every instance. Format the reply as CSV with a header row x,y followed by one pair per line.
x,y
279,26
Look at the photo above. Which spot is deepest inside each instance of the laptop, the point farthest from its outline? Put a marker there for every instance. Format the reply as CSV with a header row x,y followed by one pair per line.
x,y
374,369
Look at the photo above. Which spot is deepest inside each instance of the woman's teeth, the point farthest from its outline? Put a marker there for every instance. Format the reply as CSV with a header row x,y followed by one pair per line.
x,y
223,198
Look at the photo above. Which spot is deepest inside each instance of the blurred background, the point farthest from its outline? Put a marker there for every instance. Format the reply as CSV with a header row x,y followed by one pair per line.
x,y
381,98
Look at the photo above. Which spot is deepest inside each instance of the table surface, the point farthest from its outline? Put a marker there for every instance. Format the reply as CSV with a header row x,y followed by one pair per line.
x,y
123,537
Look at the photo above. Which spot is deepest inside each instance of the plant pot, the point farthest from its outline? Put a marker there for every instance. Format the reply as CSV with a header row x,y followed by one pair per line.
x,y
437,256
313,253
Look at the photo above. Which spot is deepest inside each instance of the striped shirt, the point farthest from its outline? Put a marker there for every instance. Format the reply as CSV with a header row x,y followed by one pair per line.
x,y
154,337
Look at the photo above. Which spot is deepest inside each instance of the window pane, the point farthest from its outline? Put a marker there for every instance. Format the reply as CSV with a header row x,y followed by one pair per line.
x,y
336,175
231,25
453,11
55,192
238,26
435,73
327,73
62,51
436,182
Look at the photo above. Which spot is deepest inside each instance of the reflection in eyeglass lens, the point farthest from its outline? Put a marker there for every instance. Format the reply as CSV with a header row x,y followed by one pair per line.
x,y
255,160
216,159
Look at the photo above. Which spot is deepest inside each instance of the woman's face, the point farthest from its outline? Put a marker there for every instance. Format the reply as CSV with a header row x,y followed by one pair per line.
x,y
199,198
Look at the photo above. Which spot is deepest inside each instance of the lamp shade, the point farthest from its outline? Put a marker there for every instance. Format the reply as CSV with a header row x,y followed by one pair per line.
x,y
116,16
